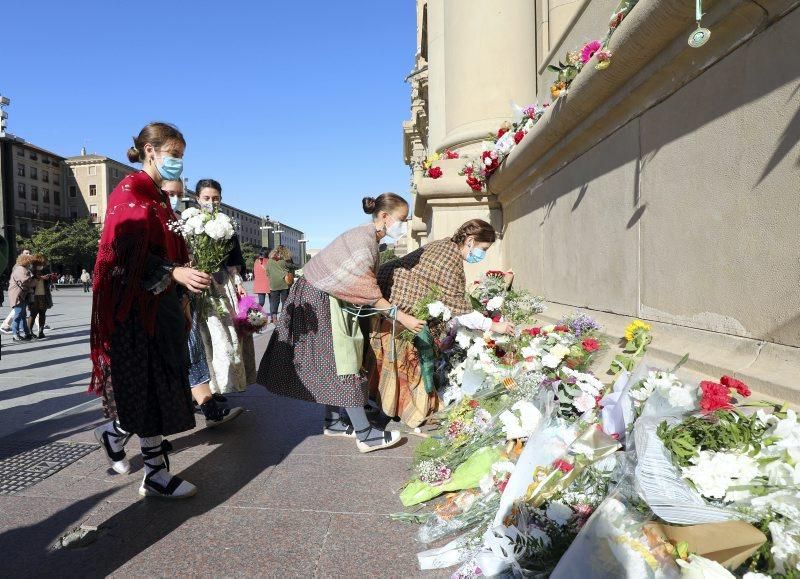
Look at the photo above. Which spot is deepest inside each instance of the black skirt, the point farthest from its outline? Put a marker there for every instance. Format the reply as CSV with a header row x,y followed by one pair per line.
x,y
148,391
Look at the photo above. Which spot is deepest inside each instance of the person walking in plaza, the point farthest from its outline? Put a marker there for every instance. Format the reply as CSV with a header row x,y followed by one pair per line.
x,y
316,352
210,404
20,292
399,385
42,297
280,271
86,280
5,327
230,354
261,284
138,327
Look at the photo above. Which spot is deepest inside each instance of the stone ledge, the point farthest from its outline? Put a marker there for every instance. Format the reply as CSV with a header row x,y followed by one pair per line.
x,y
652,38
770,369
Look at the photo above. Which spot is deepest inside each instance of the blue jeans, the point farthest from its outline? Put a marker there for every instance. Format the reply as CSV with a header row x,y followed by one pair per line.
x,y
19,322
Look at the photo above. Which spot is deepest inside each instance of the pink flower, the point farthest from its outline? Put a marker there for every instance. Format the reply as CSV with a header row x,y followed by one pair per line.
x,y
603,55
589,49
562,465
584,402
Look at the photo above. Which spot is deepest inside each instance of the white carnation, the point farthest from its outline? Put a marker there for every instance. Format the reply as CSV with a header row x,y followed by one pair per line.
x,y
584,402
785,546
190,212
559,513
698,567
463,339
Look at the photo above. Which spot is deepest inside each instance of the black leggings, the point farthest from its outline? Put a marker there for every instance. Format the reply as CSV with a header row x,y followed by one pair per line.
x,y
41,315
277,297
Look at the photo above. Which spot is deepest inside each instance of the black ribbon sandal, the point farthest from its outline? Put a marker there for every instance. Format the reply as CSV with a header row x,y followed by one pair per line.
x,y
344,428
152,488
387,438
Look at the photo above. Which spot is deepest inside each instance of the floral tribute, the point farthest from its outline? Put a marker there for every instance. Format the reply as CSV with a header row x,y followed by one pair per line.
x,y
534,468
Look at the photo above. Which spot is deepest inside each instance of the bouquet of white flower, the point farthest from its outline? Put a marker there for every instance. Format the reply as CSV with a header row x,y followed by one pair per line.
x,y
208,235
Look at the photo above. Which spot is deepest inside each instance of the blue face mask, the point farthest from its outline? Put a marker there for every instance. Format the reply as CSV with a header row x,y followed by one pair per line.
x,y
174,200
476,255
171,168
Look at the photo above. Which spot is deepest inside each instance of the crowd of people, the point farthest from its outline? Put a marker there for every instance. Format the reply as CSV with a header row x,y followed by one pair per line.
x,y
30,293
158,353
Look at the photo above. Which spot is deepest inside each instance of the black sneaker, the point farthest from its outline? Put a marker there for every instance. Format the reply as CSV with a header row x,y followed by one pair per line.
x,y
219,398
41,336
216,414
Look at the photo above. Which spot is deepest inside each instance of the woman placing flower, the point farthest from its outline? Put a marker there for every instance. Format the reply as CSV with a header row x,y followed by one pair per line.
x,y
439,266
230,354
316,352
138,335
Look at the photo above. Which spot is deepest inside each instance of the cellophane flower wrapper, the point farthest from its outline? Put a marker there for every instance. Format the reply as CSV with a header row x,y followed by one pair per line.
x,y
250,316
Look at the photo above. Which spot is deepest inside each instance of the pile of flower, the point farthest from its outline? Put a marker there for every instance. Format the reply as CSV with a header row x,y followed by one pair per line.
x,y
542,469
429,169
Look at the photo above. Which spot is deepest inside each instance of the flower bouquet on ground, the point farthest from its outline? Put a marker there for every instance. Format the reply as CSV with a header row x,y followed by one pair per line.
x,y
250,316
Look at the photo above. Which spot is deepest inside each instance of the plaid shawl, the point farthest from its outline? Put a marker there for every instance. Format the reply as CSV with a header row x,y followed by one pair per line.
x,y
346,268
407,280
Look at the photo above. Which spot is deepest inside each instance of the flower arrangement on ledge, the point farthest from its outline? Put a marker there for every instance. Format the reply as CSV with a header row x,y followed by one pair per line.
x,y
576,60
433,171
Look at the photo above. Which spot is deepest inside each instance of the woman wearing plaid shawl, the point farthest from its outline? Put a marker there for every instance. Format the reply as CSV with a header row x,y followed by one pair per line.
x,y
400,386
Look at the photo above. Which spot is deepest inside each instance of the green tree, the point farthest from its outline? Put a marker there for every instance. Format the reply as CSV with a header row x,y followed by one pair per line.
x,y
249,253
69,245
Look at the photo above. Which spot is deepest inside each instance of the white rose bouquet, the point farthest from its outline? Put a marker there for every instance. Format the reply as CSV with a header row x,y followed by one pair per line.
x,y
208,236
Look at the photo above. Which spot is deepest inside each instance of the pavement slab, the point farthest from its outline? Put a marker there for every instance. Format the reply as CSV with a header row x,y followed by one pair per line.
x,y
276,497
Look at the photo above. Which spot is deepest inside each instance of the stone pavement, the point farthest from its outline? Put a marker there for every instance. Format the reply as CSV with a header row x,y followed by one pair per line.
x,y
275,497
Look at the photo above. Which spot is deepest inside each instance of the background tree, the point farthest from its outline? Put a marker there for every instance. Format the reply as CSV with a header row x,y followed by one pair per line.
x,y
67,246
249,253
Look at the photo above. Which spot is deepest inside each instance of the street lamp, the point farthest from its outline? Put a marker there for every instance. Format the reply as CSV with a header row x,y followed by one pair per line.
x,y
303,252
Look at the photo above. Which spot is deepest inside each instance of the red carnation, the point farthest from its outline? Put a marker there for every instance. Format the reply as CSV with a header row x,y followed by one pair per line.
x,y
492,164
533,331
451,154
561,329
590,345
714,396
518,136
562,465
474,184
473,404
737,385
496,319
434,172
501,132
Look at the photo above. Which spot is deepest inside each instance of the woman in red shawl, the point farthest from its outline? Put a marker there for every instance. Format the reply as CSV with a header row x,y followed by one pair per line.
x,y
138,337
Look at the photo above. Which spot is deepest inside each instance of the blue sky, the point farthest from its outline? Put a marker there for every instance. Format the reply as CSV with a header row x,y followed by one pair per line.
x,y
295,107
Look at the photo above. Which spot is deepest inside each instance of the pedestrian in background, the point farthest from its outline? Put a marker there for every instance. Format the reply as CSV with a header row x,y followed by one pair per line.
x,y
5,327
280,271
42,296
261,285
86,280
20,288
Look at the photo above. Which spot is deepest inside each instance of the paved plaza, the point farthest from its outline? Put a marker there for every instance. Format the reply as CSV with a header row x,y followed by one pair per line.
x,y
276,498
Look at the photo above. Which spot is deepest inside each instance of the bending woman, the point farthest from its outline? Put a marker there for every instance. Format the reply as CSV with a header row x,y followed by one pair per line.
x,y
399,386
139,331
316,353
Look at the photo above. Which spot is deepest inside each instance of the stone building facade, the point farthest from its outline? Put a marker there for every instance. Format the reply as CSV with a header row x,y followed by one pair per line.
x,y
90,181
664,187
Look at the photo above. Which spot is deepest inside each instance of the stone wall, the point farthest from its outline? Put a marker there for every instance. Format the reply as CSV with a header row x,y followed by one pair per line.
x,y
686,209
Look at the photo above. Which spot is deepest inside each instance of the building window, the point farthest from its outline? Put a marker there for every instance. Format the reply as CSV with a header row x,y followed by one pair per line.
x,y
34,193
20,169
73,191
34,156
93,212
45,195
21,190
116,172
34,173
23,228
20,153
56,179
45,161
73,213
92,190
57,197
92,170
45,177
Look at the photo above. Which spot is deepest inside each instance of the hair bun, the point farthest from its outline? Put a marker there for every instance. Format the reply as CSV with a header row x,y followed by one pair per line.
x,y
368,203
133,155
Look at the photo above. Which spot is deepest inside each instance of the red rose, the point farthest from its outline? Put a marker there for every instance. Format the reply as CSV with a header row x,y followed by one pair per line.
x,y
473,404
590,345
737,385
501,132
434,172
496,319
561,329
474,184
562,465
518,136
714,396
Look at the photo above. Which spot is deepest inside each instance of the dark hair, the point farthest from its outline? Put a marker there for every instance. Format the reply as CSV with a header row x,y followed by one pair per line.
x,y
385,202
477,228
157,134
210,183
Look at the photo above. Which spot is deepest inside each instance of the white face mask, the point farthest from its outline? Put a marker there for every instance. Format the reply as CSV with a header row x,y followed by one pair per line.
x,y
397,230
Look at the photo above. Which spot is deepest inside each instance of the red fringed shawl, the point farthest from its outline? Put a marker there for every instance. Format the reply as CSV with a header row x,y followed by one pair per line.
x,y
135,228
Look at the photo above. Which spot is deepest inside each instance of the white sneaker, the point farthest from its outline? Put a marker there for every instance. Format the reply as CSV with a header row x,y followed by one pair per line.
x,y
390,439
5,330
